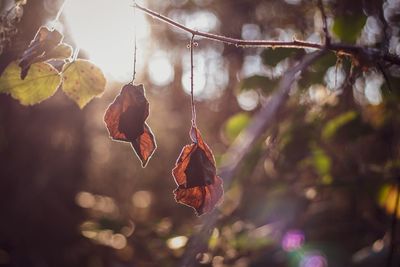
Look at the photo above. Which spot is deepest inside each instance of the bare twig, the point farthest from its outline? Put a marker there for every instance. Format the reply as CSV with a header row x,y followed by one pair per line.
x,y
229,40
366,54
324,23
241,146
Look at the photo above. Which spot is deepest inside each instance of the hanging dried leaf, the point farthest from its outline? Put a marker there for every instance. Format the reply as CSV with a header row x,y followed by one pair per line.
x,y
44,42
195,174
125,120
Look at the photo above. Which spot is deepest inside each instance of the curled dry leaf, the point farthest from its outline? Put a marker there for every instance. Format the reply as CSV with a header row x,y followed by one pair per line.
x,y
199,186
44,42
125,120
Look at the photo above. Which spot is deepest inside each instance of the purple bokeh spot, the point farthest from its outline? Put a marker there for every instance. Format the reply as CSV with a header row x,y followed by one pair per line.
x,y
313,259
292,240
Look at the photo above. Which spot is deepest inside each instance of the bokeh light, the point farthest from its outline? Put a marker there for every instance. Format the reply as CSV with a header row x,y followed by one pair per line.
x,y
293,240
160,69
313,259
177,242
142,199
248,100
210,72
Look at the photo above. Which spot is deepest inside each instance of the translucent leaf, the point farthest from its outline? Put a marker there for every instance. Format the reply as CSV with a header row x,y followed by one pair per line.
x,y
125,120
61,51
41,82
43,43
82,81
348,28
199,186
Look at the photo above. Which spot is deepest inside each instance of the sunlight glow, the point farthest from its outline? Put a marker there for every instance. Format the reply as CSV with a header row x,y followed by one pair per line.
x,y
205,21
161,71
104,30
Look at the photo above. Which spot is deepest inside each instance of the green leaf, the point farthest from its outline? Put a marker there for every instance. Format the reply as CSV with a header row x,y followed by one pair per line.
x,y
272,56
322,164
348,28
235,125
259,82
333,125
82,81
41,82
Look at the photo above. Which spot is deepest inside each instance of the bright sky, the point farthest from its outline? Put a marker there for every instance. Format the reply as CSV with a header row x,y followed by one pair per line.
x,y
104,29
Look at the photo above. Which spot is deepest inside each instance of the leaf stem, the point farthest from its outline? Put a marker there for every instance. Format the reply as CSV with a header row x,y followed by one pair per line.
x,y
191,44
135,42
60,10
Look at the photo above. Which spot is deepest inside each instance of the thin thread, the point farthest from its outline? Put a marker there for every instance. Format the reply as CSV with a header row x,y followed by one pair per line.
x,y
135,43
191,82
76,52
60,10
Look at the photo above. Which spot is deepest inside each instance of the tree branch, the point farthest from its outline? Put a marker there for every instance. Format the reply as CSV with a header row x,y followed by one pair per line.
x,y
363,54
229,40
241,146
324,23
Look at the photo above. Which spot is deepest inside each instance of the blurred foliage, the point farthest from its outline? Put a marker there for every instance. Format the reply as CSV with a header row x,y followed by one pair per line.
x,y
235,125
273,56
348,27
259,82
318,188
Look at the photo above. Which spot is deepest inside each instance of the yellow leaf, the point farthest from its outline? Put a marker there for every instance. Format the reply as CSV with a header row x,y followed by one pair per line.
x,y
82,81
41,82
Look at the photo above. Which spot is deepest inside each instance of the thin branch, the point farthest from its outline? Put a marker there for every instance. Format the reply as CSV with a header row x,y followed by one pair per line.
x,y
240,148
229,40
324,23
366,54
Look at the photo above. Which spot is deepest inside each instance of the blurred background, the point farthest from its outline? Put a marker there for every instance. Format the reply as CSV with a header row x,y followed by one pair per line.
x,y
318,189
